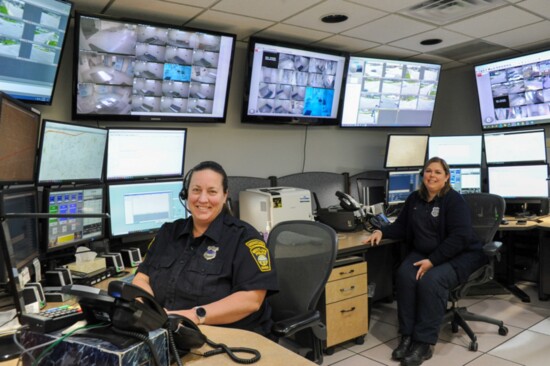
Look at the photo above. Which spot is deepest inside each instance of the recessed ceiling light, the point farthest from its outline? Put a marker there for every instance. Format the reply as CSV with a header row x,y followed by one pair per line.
x,y
334,18
431,41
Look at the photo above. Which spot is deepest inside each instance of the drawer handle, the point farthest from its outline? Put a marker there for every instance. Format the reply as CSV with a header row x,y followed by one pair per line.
x,y
348,310
351,288
349,272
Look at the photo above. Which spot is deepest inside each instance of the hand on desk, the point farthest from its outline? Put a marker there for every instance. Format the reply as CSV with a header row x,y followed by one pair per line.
x,y
374,238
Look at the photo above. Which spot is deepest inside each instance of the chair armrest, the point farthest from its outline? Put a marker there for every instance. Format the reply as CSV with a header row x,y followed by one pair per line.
x,y
492,248
311,319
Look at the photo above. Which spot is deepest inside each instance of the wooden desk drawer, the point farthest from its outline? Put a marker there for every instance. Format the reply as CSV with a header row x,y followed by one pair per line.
x,y
345,288
347,319
348,271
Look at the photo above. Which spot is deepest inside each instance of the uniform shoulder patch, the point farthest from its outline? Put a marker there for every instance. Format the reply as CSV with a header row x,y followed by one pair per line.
x,y
259,252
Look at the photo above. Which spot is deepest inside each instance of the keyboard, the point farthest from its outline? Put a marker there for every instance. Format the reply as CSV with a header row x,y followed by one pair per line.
x,y
53,319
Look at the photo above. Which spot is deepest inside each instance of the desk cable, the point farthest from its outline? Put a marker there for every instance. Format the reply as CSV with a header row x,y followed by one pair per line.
x,y
223,348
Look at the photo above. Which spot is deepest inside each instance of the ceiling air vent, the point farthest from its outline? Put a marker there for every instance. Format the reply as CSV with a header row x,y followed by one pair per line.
x,y
442,12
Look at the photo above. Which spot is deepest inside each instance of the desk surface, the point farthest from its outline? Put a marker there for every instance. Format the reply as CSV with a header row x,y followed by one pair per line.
x,y
529,224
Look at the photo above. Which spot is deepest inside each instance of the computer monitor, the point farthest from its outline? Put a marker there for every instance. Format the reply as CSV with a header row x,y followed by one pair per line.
x,y
293,83
389,93
466,180
515,147
63,232
145,153
456,150
138,70
33,39
401,184
139,208
514,92
71,153
371,191
521,183
20,234
406,151
19,127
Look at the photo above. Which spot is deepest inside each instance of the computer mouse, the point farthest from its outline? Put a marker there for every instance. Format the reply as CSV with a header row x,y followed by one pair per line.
x,y
504,222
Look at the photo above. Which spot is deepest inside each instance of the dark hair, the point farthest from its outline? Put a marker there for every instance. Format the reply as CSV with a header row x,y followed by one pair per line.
x,y
423,191
211,165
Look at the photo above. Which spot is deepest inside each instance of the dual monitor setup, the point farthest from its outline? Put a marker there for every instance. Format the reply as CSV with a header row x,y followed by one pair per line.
x,y
514,166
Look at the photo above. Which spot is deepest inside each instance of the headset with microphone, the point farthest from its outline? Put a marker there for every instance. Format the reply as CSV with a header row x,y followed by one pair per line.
x,y
184,193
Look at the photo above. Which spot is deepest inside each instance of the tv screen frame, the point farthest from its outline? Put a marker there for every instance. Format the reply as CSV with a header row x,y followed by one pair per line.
x,y
406,150
381,93
136,161
159,86
458,181
117,209
67,155
31,76
522,180
21,171
389,192
82,221
452,144
512,148
302,86
518,97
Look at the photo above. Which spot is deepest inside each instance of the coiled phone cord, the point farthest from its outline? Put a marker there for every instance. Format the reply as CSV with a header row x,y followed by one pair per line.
x,y
223,348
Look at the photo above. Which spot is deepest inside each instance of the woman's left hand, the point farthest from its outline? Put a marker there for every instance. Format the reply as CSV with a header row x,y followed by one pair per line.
x,y
423,266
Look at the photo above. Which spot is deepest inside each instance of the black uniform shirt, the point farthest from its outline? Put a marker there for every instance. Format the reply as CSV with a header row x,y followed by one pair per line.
x,y
426,222
230,256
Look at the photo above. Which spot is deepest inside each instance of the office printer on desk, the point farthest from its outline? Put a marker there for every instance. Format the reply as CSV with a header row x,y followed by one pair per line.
x,y
264,208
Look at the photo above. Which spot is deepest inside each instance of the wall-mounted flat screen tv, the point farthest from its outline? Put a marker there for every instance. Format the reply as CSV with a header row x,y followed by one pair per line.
x,y
514,92
32,36
389,93
140,71
291,83
406,151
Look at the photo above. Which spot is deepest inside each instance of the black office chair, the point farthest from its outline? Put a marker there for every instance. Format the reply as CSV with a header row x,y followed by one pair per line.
x,y
487,211
304,253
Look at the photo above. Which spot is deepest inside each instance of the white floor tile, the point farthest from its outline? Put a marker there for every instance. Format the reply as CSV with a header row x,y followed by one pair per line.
x,y
488,360
358,360
521,315
487,335
379,332
542,327
527,348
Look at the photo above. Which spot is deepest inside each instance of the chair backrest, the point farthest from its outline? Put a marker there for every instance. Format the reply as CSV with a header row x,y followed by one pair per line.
x,y
241,183
304,253
366,178
487,211
323,184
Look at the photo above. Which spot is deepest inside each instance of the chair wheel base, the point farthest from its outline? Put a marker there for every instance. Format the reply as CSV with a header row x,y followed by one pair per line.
x,y
360,340
473,346
503,331
329,351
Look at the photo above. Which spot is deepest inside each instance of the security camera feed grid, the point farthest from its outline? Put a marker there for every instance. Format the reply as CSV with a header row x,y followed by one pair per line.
x,y
127,68
519,92
388,93
294,83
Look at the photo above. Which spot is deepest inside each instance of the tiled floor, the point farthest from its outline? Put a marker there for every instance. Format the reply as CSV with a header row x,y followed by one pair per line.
x,y
527,342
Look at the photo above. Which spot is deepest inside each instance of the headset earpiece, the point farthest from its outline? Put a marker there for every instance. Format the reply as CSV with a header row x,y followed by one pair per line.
x,y
184,193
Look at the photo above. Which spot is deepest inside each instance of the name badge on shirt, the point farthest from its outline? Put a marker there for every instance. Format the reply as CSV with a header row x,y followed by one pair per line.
x,y
435,211
211,252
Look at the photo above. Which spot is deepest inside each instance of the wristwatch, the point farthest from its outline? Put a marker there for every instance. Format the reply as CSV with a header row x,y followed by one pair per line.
x,y
200,312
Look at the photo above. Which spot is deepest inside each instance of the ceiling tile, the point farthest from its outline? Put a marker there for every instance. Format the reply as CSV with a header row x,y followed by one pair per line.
x,y
494,22
539,7
199,3
357,15
230,23
430,58
388,52
522,36
449,38
386,5
276,10
388,29
347,43
291,33
164,12
90,6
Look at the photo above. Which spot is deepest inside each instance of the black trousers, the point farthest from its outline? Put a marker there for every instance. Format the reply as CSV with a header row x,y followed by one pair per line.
x,y
421,304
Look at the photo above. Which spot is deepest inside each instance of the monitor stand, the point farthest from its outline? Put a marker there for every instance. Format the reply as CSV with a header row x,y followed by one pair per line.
x,y
524,213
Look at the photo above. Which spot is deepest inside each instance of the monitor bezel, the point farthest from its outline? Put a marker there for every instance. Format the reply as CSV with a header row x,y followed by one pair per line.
x,y
514,132
107,179
481,173
520,124
290,120
408,167
45,204
150,118
58,67
522,199
342,125
37,113
404,171
66,181
142,233
465,165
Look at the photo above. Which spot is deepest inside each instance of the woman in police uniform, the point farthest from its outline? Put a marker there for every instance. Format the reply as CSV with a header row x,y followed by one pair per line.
x,y
443,251
211,268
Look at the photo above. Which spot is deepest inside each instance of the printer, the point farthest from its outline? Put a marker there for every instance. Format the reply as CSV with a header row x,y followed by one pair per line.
x,y
264,208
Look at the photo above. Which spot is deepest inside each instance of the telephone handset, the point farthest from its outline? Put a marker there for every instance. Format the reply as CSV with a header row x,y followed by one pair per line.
x,y
347,202
379,221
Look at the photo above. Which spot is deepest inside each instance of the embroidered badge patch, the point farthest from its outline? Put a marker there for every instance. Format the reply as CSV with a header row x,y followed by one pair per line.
x,y
435,211
210,252
260,254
